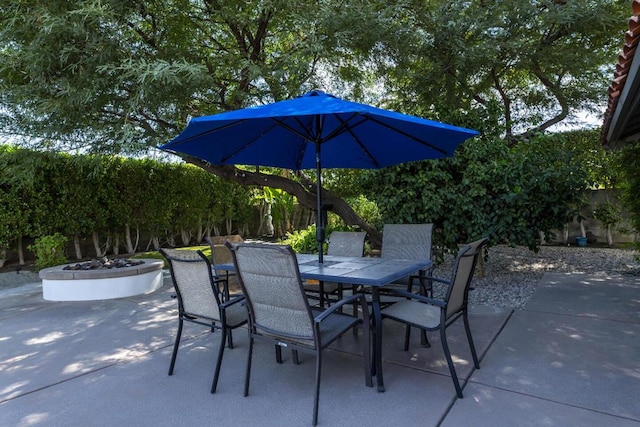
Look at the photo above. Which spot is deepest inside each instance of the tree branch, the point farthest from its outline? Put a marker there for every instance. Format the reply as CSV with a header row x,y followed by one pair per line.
x,y
305,192
506,101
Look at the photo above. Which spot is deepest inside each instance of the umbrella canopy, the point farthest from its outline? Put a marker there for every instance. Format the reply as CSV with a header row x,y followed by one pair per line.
x,y
313,131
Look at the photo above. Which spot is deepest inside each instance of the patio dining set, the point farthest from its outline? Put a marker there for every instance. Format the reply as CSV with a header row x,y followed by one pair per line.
x,y
304,304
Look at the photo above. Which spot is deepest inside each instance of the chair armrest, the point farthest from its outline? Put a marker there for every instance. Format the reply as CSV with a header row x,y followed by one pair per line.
x,y
320,317
235,300
432,278
425,280
426,273
418,297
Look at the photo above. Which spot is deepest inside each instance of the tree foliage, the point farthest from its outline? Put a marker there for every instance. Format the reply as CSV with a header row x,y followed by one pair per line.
x,y
630,166
510,69
509,194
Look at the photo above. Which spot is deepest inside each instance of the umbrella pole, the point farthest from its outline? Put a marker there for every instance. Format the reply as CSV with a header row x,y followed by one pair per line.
x,y
319,217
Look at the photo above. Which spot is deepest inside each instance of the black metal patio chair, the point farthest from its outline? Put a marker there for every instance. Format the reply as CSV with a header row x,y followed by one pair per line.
x,y
200,300
341,243
279,312
429,314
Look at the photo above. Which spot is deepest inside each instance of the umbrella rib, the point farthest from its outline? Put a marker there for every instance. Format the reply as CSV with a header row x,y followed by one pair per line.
x,y
293,130
344,128
251,141
304,135
210,131
408,135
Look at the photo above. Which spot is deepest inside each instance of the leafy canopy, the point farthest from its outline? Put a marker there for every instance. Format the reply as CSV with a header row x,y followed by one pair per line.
x,y
115,75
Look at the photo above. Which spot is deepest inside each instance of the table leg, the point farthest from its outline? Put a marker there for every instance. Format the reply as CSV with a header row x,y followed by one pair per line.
x,y
321,296
377,339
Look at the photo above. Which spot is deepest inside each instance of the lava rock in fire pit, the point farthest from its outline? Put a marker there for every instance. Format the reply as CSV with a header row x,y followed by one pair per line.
x,y
103,264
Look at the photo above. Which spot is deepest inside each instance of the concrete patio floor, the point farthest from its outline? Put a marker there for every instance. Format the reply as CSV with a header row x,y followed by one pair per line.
x,y
571,357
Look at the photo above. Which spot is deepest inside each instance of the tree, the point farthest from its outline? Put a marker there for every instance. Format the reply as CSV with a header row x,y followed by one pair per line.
x,y
510,69
119,75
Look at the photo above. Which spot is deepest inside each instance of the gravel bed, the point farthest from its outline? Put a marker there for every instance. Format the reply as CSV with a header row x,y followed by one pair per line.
x,y
511,275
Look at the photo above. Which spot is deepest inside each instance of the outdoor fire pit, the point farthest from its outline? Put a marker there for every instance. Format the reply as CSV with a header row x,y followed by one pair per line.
x,y
101,279
104,263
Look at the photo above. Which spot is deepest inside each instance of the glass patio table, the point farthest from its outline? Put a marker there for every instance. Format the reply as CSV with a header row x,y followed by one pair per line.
x,y
363,271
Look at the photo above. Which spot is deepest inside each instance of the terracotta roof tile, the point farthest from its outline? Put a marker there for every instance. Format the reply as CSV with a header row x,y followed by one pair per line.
x,y
631,41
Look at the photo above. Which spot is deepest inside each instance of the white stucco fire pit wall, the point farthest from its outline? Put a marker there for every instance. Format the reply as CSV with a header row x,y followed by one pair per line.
x,y
87,285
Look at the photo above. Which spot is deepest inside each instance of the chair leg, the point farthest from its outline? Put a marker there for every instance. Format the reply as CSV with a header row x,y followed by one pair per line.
x,y
317,395
366,352
214,384
248,373
476,363
175,346
452,368
230,339
424,340
407,337
354,309
294,356
278,354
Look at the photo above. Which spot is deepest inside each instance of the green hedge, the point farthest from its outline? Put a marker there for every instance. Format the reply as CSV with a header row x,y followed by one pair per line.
x,y
110,200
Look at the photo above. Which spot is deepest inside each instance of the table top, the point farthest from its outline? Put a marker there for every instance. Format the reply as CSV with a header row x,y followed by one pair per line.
x,y
365,271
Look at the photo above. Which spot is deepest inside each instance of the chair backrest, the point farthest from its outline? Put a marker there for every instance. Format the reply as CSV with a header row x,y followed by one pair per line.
x,y
406,241
461,275
346,243
220,254
193,282
270,280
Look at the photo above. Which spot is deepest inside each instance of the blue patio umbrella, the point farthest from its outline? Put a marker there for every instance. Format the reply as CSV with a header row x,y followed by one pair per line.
x,y
313,131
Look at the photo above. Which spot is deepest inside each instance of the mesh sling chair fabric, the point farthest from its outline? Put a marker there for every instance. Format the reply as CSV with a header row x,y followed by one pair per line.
x,y
341,243
279,312
200,301
220,255
430,314
407,241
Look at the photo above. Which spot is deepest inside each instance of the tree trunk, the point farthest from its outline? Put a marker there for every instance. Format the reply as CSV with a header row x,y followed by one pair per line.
x,y
127,237
609,237
200,233
262,218
20,251
185,236
96,245
3,256
304,191
76,245
135,246
116,244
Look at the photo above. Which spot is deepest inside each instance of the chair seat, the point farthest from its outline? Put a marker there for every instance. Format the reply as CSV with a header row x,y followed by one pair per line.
x,y
334,326
414,312
236,314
